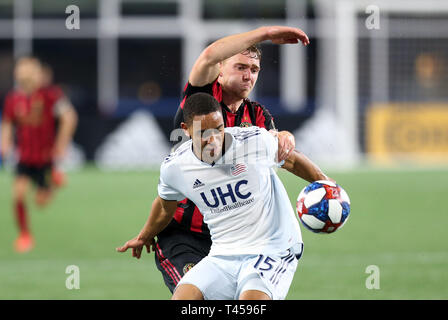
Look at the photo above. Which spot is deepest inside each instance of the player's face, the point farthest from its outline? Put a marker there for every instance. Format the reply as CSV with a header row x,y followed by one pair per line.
x,y
238,74
28,74
207,132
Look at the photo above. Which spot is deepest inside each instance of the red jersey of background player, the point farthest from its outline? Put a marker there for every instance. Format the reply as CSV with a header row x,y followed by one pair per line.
x,y
187,215
34,118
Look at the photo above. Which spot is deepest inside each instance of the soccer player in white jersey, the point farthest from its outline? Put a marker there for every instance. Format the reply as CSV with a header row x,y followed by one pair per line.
x,y
230,175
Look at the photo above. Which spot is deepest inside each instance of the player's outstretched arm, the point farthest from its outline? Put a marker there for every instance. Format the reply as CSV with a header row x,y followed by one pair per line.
x,y
206,67
162,212
299,164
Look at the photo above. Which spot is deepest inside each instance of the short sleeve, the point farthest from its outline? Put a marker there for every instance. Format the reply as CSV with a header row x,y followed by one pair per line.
x,y
208,88
263,117
52,95
167,181
61,105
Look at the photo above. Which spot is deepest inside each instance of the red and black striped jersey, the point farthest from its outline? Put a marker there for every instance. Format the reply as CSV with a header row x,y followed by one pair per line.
x,y
188,216
34,119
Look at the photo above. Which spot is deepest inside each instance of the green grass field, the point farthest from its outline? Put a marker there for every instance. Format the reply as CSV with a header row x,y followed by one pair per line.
x,y
398,222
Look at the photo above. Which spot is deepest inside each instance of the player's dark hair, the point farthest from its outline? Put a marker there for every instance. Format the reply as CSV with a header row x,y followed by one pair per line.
x,y
253,51
199,104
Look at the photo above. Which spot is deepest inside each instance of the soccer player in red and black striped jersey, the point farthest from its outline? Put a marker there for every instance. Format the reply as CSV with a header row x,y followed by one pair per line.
x,y
227,69
43,121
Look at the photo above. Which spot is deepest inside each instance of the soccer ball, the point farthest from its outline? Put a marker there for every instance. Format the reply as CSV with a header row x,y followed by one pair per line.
x,y
323,206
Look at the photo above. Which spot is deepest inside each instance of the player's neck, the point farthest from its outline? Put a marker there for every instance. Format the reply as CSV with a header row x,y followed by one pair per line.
x,y
211,161
27,90
232,102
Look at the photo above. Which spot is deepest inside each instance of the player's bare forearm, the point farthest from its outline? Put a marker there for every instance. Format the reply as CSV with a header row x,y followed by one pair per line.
x,y
162,212
229,46
299,164
67,127
6,138
206,69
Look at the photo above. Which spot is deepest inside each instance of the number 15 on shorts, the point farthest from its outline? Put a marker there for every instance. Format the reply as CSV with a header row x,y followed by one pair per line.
x,y
264,263
273,269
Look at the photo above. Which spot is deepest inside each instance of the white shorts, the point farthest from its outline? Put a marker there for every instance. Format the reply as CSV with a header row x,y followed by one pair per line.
x,y
226,277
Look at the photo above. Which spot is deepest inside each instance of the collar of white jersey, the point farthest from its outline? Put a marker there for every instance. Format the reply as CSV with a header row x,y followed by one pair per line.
x,y
224,158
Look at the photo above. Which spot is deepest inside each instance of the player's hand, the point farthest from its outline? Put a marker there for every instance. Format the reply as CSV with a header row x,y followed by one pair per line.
x,y
329,179
283,35
137,245
58,152
286,143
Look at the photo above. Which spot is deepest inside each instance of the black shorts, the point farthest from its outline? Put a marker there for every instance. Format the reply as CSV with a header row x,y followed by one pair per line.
x,y
39,175
177,252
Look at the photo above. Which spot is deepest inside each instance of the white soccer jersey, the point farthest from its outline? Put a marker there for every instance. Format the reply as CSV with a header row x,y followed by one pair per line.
x,y
244,203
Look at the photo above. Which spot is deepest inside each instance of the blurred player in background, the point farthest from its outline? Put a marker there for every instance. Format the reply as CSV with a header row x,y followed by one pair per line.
x,y
228,70
42,121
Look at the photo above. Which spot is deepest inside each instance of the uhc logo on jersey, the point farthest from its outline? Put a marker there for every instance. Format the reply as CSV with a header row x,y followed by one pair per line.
x,y
218,196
